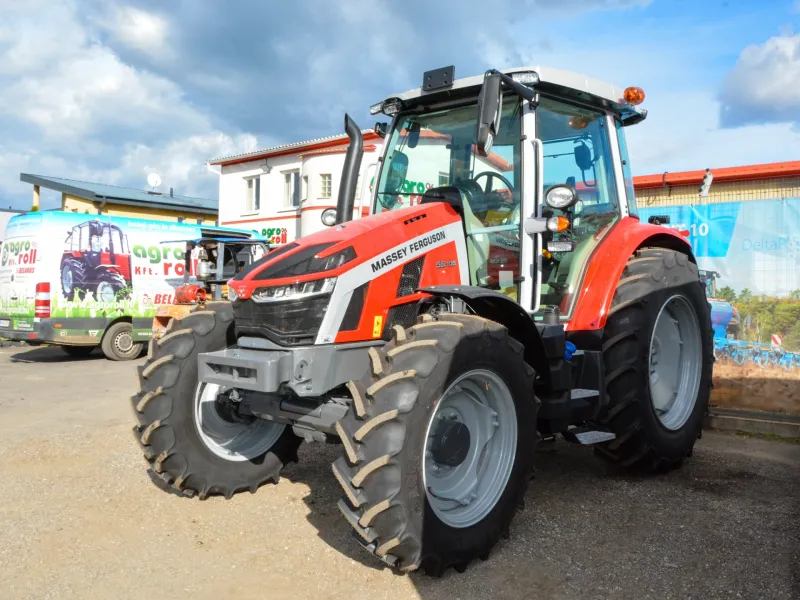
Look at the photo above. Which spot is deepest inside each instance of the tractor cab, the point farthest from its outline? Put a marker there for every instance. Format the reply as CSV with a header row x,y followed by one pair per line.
x,y
537,200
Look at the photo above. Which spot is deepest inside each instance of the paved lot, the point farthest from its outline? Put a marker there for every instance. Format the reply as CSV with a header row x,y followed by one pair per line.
x,y
79,517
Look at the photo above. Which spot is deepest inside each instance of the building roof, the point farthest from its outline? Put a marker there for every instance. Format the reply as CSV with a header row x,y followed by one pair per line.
x,y
744,173
97,192
317,144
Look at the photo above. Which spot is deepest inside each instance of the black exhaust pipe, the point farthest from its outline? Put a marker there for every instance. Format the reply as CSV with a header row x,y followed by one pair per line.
x,y
352,165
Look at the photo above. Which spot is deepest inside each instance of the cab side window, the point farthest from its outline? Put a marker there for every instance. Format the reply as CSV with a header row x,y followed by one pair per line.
x,y
577,152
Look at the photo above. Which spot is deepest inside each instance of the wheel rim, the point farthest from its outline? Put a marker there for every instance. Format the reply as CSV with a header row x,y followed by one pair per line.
x,y
232,441
470,446
675,362
66,280
124,342
105,292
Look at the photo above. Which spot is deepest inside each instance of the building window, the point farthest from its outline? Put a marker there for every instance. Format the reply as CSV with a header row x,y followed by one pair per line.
x,y
444,179
253,197
305,187
325,186
291,189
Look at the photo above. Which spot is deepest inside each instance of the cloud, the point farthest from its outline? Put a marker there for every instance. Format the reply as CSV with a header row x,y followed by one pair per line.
x,y
70,106
764,85
138,30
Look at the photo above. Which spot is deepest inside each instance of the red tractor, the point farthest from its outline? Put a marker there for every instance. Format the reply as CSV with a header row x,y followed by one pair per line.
x,y
97,260
436,370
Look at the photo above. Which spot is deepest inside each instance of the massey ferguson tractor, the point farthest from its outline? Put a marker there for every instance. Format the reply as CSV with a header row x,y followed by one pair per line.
x,y
96,259
435,352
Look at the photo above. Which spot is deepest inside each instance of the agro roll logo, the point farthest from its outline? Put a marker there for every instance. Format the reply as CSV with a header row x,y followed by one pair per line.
x,y
18,252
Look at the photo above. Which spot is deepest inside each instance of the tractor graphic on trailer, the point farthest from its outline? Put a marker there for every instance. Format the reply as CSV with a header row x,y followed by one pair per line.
x,y
96,260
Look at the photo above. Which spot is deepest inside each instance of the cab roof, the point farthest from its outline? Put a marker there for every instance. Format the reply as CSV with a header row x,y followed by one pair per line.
x,y
553,81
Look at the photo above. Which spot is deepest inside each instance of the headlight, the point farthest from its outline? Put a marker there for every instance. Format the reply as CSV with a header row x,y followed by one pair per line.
x,y
329,217
561,197
232,295
294,291
305,261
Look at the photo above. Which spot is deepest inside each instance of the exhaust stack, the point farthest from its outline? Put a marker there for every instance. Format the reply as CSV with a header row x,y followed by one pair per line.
x,y
352,165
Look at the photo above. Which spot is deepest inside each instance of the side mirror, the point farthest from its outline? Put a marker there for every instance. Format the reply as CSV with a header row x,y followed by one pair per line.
x,y
381,129
490,103
658,220
583,157
413,134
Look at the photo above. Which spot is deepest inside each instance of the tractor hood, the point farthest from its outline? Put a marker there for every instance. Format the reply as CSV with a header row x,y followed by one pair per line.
x,y
379,238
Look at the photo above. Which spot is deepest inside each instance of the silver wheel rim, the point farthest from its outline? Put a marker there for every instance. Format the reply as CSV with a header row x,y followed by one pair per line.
x,y
675,361
105,289
235,442
66,280
124,342
463,494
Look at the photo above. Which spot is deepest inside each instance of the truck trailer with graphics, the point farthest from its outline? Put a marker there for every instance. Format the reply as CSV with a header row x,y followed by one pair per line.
x,y
81,281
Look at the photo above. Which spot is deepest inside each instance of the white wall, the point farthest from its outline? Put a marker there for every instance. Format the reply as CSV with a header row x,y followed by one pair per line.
x,y
275,217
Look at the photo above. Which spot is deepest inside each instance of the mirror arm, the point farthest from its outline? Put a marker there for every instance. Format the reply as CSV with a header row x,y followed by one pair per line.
x,y
522,90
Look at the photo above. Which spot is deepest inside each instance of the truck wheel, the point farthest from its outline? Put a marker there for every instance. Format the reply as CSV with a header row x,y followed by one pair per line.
x,y
438,443
73,279
658,350
109,287
192,441
118,344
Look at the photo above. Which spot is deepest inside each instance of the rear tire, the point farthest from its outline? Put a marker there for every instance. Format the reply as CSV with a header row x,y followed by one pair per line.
x,y
648,438
165,406
385,471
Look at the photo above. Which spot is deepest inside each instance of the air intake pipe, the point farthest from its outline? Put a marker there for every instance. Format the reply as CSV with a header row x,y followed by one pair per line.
x,y
352,165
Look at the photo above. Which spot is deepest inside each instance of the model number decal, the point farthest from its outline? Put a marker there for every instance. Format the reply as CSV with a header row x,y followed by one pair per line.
x,y
443,264
401,253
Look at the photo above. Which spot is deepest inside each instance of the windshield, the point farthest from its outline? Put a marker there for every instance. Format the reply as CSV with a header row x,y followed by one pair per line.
x,y
436,150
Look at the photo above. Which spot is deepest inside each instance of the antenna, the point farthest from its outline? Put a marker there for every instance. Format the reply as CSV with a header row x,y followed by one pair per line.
x,y
154,180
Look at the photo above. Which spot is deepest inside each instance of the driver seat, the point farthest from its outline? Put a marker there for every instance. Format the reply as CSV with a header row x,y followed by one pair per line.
x,y
477,245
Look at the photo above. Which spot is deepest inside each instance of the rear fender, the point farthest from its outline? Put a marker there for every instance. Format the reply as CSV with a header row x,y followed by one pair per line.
x,y
607,263
501,309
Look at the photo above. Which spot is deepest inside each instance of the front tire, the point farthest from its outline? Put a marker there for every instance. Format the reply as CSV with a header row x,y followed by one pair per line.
x,y
658,351
73,279
173,413
394,450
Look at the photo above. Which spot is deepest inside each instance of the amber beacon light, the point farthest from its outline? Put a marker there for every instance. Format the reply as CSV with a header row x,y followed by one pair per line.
x,y
634,95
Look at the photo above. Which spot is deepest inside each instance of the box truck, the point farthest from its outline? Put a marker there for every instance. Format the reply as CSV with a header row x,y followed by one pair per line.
x,y
81,281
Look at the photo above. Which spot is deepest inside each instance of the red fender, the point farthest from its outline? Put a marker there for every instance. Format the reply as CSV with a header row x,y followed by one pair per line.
x,y
607,263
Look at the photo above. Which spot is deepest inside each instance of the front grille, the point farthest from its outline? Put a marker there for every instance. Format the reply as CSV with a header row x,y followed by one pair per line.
x,y
404,315
290,323
409,278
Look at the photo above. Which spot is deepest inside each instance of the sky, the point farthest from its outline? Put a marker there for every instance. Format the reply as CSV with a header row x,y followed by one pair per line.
x,y
110,92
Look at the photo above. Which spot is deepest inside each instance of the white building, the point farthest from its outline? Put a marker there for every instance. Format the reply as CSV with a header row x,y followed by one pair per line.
x,y
281,192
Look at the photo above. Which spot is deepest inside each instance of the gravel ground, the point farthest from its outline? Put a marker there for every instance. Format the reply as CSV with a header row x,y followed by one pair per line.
x,y
80,517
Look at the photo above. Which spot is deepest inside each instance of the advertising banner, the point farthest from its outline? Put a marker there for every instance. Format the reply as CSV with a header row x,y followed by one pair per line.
x,y
748,254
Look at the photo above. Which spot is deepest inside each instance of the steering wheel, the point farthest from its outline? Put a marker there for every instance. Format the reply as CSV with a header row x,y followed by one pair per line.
x,y
489,175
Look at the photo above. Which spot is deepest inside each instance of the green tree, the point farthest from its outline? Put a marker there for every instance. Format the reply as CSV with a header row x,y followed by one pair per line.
x,y
727,293
794,295
746,295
